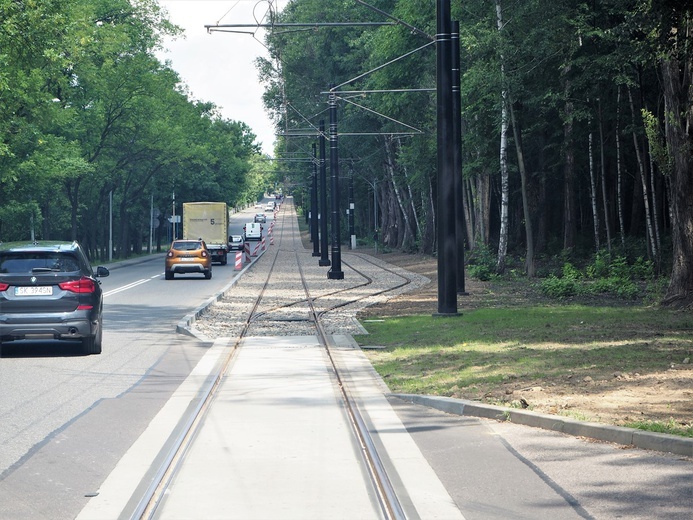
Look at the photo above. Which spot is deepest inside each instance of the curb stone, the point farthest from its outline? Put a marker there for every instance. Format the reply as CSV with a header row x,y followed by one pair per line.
x,y
603,432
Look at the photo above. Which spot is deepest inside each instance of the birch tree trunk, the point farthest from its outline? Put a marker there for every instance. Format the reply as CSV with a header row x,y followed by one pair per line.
x,y
593,186
483,198
390,167
619,182
602,160
655,220
470,215
411,195
569,222
643,180
529,236
505,184
431,219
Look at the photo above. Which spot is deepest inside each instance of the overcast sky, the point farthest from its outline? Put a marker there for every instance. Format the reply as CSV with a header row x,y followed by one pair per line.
x,y
220,67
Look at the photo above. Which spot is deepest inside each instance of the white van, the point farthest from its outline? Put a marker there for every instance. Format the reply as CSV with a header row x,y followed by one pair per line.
x,y
253,231
269,206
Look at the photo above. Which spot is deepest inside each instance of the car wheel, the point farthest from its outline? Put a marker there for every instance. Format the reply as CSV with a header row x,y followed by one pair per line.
x,y
168,275
224,260
208,274
92,344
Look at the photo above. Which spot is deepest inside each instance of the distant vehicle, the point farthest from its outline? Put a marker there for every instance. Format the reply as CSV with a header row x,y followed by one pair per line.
x,y
48,290
208,221
188,256
269,206
253,231
260,217
258,205
236,243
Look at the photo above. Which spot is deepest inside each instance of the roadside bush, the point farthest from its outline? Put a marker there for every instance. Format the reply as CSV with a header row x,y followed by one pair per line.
x,y
566,285
480,272
482,263
605,275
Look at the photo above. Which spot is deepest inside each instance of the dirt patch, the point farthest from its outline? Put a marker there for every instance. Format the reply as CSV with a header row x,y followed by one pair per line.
x,y
613,398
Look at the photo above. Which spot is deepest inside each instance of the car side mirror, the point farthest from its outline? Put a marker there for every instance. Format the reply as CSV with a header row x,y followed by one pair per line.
x,y
101,272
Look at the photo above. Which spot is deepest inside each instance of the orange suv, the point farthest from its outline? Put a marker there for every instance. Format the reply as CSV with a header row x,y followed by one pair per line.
x,y
188,256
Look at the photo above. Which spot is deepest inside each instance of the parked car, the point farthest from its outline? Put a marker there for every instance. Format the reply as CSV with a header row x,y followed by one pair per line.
x,y
260,217
188,256
236,243
48,290
253,231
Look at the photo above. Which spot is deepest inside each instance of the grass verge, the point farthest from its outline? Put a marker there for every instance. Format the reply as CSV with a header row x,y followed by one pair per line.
x,y
474,355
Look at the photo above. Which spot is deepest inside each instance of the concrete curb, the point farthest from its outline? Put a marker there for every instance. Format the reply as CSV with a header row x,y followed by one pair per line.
x,y
603,432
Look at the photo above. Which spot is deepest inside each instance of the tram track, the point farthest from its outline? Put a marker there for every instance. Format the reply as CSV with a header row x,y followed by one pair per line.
x,y
313,314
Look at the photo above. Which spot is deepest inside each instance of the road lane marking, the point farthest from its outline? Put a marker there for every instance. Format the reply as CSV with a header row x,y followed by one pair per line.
x,y
125,287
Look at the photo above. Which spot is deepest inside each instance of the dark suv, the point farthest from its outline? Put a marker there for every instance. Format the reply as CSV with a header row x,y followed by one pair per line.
x,y
48,290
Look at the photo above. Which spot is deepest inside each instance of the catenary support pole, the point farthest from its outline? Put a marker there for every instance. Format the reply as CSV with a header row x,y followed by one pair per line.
x,y
447,258
324,260
314,235
352,234
335,272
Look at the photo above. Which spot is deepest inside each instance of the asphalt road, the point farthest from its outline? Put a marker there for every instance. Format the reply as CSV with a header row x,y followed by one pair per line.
x,y
66,419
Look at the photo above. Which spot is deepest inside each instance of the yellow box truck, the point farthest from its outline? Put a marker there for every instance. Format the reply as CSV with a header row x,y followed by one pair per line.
x,y
210,222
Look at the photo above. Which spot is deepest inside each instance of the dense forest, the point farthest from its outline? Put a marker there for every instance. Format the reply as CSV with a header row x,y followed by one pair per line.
x,y
91,122
576,123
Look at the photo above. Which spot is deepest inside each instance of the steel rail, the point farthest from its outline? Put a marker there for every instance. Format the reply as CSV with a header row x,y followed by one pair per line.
x,y
387,497
151,499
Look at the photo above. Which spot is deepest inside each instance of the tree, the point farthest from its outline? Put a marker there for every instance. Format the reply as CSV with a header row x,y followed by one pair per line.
x,y
675,56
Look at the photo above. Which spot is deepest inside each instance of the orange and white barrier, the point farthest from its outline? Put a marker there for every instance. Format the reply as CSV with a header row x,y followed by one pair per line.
x,y
239,260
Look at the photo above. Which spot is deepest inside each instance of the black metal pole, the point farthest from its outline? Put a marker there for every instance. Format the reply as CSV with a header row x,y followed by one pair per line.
x,y
460,230
335,272
324,260
352,234
314,205
447,259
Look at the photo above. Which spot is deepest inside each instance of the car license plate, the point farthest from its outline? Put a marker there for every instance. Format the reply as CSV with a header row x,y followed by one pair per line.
x,y
188,259
39,290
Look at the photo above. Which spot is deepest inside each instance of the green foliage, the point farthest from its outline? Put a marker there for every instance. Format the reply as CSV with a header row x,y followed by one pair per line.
x,y
670,427
481,263
607,274
88,110
17,219
564,286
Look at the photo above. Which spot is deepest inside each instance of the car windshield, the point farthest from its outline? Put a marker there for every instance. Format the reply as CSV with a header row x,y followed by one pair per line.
x,y
186,246
36,262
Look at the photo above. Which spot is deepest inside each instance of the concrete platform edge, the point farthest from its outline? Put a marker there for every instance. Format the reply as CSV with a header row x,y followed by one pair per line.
x,y
603,432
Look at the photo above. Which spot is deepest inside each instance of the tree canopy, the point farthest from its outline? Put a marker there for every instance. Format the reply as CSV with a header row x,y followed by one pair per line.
x,y
588,103
87,112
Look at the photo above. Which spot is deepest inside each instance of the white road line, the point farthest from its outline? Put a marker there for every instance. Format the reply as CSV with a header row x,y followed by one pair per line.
x,y
126,287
